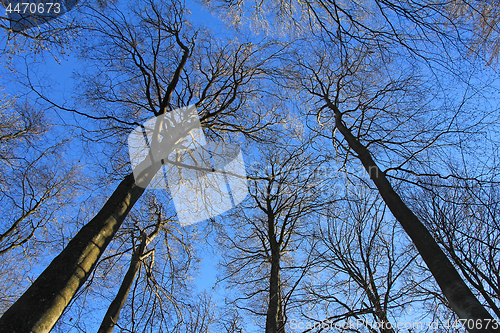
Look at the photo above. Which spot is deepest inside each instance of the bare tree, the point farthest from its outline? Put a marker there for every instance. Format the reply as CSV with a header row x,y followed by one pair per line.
x,y
159,294
139,253
462,215
482,20
364,275
376,82
269,235
38,34
202,316
367,103
33,190
49,295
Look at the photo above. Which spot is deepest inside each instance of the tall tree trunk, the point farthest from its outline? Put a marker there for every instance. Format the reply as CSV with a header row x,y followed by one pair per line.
x,y
274,317
461,299
38,309
113,313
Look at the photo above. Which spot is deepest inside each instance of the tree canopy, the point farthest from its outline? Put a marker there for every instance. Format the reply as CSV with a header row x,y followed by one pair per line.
x,y
342,155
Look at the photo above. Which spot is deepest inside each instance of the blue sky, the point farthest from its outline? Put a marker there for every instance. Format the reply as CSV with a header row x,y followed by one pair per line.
x,y
56,79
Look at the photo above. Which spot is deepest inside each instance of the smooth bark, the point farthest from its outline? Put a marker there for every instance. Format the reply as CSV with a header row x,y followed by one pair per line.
x,y
274,318
113,314
460,297
38,309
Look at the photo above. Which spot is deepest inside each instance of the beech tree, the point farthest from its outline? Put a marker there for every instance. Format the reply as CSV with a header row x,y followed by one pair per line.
x,y
269,237
364,107
395,99
463,217
32,189
357,106
365,268
140,253
218,91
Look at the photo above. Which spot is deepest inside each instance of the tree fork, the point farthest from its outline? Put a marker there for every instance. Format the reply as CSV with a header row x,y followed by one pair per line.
x,y
39,308
461,299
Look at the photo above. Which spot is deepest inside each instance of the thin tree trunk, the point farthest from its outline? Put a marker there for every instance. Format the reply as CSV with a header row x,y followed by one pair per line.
x,y
461,299
378,310
113,313
38,309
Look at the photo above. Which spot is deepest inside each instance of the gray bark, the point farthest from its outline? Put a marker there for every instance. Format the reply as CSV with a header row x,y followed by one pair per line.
x,y
460,297
38,309
113,313
274,318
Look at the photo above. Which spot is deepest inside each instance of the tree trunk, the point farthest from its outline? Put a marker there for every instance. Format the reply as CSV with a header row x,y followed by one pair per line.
x,y
378,309
38,309
461,299
113,313
274,318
